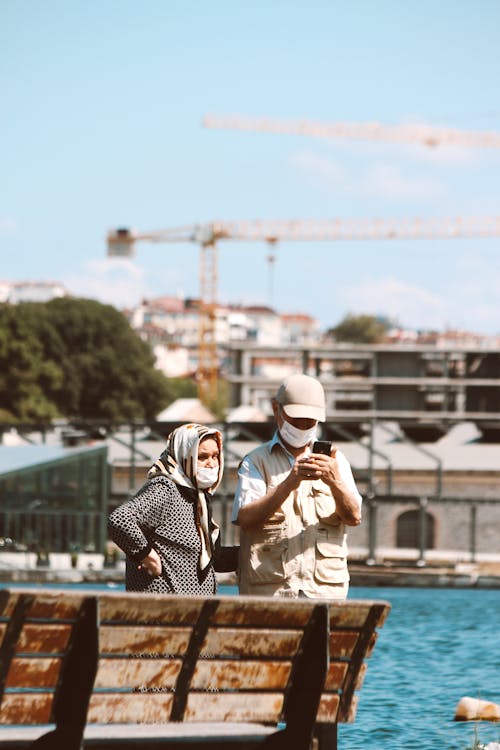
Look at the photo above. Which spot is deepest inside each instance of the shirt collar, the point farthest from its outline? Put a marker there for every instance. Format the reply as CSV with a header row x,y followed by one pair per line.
x,y
276,440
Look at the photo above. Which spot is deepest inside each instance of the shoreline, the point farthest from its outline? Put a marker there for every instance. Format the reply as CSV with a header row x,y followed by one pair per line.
x,y
362,575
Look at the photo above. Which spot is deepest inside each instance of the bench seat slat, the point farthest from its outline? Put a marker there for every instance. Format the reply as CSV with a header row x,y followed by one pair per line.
x,y
352,614
26,672
135,708
43,606
147,708
257,612
328,709
342,643
121,609
251,642
241,675
43,638
122,674
26,708
260,707
150,640
337,672
137,673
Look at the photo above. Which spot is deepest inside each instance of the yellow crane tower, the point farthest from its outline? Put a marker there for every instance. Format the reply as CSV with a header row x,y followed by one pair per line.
x,y
121,243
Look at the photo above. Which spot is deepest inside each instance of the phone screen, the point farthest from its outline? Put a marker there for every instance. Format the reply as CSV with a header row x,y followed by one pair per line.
x,y
322,446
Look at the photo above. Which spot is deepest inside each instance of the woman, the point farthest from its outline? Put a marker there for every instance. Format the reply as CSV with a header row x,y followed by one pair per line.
x,y
166,529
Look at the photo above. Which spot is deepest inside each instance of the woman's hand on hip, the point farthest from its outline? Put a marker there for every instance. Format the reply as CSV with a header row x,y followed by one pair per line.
x,y
151,563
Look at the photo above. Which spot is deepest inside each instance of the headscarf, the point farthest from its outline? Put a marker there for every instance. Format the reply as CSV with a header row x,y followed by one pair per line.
x,y
179,462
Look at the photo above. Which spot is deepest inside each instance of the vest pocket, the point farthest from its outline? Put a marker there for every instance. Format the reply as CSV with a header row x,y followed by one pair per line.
x,y
267,560
324,503
331,562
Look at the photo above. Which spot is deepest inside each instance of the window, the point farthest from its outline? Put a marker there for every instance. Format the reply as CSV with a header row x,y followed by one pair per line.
x,y
408,530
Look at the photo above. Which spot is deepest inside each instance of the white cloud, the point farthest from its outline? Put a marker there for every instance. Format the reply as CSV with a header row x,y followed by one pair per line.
x,y
462,304
8,225
410,305
320,166
117,282
379,181
388,182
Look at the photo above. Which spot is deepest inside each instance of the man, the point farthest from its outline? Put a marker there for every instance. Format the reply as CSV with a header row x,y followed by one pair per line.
x,y
293,506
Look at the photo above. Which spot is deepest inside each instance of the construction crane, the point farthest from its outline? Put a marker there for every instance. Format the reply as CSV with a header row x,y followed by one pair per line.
x,y
428,135
121,243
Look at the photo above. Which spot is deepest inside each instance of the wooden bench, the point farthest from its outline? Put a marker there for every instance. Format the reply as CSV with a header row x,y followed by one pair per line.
x,y
133,671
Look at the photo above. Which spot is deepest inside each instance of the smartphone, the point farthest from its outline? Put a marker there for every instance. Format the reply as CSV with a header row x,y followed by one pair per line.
x,y
322,446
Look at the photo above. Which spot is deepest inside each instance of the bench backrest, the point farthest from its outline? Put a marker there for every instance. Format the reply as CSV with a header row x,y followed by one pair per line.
x,y
67,658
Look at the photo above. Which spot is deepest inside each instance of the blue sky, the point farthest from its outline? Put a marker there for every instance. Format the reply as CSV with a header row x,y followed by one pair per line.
x,y
102,109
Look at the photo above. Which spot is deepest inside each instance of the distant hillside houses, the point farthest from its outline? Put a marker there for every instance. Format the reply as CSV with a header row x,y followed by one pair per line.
x,y
171,326
30,291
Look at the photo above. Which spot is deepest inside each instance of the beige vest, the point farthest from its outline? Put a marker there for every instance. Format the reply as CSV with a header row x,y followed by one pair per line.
x,y
302,547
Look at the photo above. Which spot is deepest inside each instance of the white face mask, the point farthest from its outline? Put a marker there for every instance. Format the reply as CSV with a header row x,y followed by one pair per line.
x,y
295,437
207,477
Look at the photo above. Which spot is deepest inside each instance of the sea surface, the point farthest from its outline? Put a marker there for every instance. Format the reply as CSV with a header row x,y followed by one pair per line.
x,y
436,646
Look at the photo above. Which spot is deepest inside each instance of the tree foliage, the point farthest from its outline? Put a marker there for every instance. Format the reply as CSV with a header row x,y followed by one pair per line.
x,y
75,358
360,329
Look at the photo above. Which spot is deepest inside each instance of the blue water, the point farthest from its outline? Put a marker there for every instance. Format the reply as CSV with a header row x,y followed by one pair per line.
x,y
436,646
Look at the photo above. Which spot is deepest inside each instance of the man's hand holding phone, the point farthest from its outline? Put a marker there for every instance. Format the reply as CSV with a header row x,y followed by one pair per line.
x,y
317,464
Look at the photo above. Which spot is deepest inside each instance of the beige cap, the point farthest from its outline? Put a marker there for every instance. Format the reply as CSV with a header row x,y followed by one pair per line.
x,y
302,397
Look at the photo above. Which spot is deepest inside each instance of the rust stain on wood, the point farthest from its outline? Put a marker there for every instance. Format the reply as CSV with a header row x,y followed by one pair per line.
x,y
137,673
123,608
33,672
328,708
26,708
44,639
342,643
136,708
240,675
149,640
240,642
336,675
250,707
257,613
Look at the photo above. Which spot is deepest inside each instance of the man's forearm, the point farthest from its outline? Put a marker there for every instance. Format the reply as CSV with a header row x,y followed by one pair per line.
x,y
258,511
347,506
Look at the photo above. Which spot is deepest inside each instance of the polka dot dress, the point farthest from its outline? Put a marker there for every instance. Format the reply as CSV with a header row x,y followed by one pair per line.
x,y
162,515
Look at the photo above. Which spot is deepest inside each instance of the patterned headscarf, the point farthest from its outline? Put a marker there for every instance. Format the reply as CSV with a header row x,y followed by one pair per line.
x,y
179,462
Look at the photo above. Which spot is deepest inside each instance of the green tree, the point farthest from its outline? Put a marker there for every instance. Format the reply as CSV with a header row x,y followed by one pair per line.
x,y
360,329
25,374
108,370
75,358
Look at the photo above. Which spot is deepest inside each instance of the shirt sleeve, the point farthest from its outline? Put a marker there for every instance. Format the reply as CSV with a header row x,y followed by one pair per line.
x,y
347,477
251,486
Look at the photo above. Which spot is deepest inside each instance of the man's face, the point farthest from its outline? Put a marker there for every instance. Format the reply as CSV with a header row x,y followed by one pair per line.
x,y
301,423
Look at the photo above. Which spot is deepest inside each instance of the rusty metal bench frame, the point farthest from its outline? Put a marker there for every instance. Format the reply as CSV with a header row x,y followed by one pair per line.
x,y
69,659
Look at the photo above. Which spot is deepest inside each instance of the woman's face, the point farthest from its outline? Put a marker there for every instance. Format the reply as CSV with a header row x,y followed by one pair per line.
x,y
208,453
